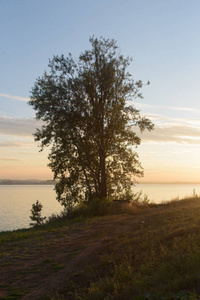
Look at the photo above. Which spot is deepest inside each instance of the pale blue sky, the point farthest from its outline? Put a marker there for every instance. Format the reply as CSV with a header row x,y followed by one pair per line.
x,y
162,37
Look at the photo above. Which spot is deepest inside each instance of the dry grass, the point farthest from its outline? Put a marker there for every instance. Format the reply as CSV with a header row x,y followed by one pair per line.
x,y
143,252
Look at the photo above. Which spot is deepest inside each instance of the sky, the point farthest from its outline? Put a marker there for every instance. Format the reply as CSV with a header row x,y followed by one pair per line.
x,y
163,39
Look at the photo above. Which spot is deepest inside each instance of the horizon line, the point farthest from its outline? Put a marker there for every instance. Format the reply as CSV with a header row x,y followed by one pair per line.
x,y
136,183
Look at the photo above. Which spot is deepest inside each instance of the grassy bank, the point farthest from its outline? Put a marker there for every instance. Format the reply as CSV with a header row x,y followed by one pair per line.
x,y
142,252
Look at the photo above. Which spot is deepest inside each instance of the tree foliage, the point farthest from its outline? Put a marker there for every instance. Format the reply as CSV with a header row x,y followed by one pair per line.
x,y
36,214
89,123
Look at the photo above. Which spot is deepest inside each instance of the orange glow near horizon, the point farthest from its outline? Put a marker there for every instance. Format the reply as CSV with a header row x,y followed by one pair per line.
x,y
23,173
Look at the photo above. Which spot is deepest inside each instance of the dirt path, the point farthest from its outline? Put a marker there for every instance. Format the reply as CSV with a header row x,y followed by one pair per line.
x,y
90,240
35,267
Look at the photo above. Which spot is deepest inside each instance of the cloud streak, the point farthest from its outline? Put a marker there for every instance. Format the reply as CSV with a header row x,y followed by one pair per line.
x,y
15,97
169,130
171,133
10,159
18,126
10,144
137,104
177,108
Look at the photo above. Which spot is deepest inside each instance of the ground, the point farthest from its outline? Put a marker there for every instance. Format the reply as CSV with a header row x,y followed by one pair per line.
x,y
37,267
43,264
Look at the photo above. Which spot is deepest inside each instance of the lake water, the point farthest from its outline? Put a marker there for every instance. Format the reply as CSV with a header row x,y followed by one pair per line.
x,y
16,200
158,193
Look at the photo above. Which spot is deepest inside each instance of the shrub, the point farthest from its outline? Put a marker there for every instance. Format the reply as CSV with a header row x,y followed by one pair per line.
x,y
36,214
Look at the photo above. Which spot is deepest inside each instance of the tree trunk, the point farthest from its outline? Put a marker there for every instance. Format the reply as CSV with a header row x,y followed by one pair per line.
x,y
103,186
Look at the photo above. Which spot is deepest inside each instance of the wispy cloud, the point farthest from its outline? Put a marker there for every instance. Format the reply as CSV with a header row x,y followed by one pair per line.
x,y
167,129
164,120
10,159
24,144
183,109
10,144
171,133
177,108
138,105
18,126
15,97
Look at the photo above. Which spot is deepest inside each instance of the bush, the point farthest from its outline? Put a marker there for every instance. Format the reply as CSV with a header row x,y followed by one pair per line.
x,y
92,209
36,214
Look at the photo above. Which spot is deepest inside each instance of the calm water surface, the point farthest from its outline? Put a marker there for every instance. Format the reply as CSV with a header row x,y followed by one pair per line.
x,y
16,200
158,193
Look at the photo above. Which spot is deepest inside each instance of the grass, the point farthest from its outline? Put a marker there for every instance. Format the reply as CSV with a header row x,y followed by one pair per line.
x,y
81,213
158,258
162,259
15,293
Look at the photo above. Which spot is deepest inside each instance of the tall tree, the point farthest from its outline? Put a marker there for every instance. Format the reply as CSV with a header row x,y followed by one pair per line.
x,y
89,122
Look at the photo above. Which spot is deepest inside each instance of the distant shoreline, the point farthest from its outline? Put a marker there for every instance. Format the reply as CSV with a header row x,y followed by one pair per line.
x,y
53,182
26,182
172,182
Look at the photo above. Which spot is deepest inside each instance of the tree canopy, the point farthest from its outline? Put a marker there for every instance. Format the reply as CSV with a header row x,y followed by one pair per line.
x,y
89,123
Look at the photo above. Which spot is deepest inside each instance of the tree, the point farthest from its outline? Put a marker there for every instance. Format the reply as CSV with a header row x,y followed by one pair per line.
x,y
89,123
36,214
